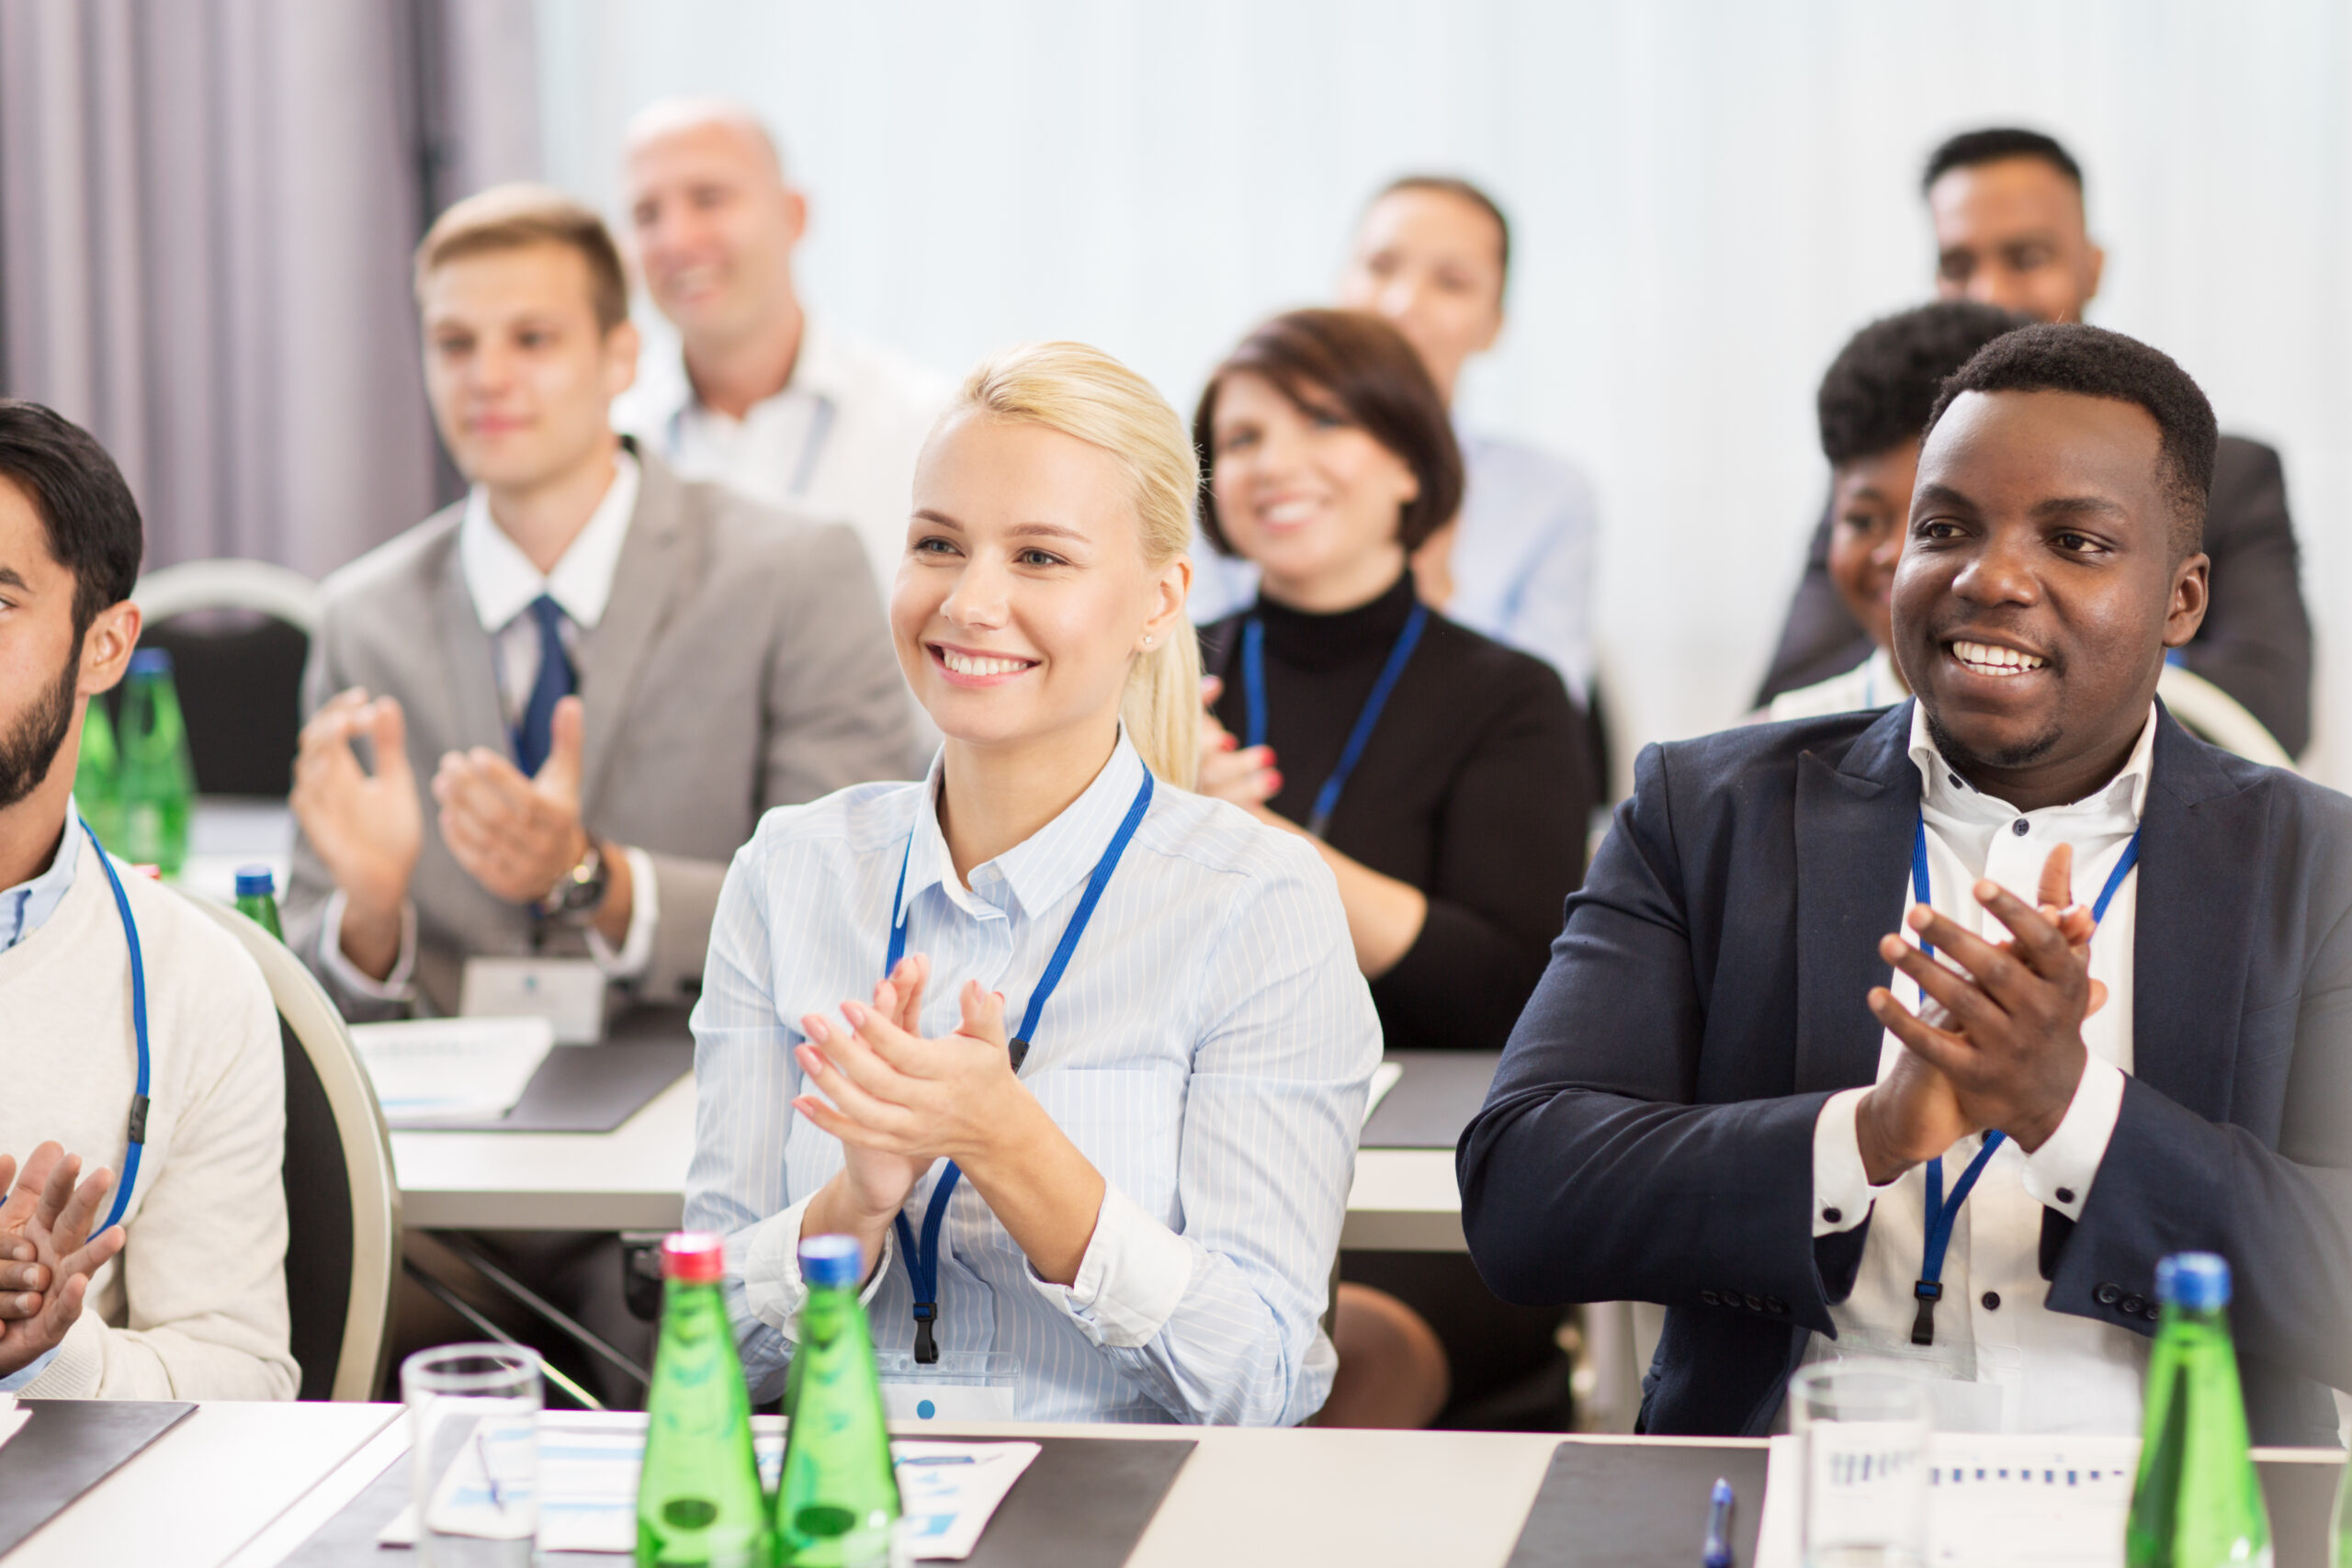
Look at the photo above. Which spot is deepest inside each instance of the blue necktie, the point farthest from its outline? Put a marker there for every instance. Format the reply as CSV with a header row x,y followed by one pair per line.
x,y
532,736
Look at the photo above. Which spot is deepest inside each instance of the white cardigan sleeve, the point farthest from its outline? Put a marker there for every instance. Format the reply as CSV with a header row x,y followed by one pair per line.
x,y
199,1310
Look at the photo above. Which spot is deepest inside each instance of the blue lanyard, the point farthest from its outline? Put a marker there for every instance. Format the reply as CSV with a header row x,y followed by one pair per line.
x,y
922,1261
1942,1215
138,1032
1253,684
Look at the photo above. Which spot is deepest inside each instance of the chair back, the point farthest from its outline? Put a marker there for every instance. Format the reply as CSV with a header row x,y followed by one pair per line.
x,y
2218,718
343,1203
239,633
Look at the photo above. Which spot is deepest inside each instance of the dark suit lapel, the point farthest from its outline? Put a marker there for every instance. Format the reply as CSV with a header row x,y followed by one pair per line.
x,y
2200,835
645,581
472,662
1854,818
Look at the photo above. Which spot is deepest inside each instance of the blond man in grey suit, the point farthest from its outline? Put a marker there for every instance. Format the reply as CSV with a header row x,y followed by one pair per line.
x,y
579,688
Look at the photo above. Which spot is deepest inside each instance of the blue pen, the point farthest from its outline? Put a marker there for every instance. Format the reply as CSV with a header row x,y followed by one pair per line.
x,y
1718,1549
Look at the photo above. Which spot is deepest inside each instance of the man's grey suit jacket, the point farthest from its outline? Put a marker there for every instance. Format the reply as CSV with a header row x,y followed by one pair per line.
x,y
742,662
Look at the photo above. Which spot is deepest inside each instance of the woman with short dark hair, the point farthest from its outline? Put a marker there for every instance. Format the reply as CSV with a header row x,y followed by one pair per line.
x,y
1444,777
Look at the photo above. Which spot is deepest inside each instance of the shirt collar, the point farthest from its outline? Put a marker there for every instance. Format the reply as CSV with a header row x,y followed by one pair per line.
x,y
501,580
820,368
27,905
1943,789
1042,868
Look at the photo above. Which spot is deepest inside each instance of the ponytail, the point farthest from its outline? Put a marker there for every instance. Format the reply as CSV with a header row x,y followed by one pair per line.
x,y
1082,391
1162,706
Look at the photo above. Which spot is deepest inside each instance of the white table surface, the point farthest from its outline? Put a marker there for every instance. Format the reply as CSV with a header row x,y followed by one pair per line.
x,y
1245,1497
244,1485
206,1487
634,1178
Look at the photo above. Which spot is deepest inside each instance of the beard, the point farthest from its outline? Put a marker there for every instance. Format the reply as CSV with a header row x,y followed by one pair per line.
x,y
2025,753
28,751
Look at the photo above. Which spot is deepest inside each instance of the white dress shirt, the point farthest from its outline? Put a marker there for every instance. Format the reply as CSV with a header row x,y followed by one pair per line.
x,y
1209,1049
838,443
1875,683
503,585
1523,560
2034,1369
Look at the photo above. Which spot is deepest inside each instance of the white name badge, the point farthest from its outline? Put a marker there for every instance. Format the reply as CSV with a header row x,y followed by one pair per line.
x,y
961,1386
568,992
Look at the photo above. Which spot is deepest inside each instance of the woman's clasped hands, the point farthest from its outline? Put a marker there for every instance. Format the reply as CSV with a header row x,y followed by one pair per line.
x,y
900,1102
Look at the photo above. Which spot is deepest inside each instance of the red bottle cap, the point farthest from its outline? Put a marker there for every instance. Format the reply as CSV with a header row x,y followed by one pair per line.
x,y
698,1258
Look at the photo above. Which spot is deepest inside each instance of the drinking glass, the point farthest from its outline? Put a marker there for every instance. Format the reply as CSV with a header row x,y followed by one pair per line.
x,y
1864,1432
473,1413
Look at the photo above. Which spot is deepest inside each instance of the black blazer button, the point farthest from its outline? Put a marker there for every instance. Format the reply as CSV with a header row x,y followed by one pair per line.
x,y
2152,1312
2134,1305
1833,1216
1776,1306
2107,1295
1710,1298
1991,1300
1755,1303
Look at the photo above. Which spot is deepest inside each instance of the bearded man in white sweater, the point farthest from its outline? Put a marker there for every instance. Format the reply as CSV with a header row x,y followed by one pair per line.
x,y
182,1293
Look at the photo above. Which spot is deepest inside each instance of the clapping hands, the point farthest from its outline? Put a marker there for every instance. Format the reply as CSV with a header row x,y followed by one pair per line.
x,y
1997,1047
47,1253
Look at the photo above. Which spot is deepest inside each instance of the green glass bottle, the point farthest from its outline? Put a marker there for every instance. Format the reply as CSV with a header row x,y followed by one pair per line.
x,y
699,1504
98,775
2196,1502
258,898
836,1502
2340,1537
158,779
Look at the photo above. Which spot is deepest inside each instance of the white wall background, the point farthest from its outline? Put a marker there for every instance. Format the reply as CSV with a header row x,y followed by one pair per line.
x,y
1708,196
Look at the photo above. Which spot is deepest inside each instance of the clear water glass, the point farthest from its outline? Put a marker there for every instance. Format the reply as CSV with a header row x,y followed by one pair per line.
x,y
473,1413
1864,1432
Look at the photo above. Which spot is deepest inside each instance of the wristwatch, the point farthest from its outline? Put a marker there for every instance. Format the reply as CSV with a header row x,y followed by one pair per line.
x,y
578,892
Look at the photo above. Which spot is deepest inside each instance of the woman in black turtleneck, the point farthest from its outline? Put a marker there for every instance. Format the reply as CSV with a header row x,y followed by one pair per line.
x,y
1460,830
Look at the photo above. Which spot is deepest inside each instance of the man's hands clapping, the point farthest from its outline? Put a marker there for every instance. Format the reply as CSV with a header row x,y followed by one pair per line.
x,y
517,835
47,1253
2006,1050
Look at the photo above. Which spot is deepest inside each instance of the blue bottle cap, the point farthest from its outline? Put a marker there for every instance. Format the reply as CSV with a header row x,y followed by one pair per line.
x,y
836,1260
2196,1282
152,661
256,882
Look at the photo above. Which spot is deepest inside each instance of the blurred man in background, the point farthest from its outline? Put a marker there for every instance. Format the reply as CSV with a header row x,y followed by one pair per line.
x,y
2010,231
578,688
759,394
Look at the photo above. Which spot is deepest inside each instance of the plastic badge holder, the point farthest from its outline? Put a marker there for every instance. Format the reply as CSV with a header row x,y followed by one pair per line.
x,y
962,1385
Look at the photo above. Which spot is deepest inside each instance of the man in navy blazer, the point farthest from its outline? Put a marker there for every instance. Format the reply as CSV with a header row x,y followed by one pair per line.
x,y
1719,1025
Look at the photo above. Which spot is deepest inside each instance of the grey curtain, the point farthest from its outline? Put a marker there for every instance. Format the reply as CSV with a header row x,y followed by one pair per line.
x,y
207,209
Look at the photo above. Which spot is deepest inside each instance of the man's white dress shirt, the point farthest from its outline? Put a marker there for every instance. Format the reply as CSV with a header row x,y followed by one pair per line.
x,y
503,585
839,443
2037,1370
1875,683
1209,1049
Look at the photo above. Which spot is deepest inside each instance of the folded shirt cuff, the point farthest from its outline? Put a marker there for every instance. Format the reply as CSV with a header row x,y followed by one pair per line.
x,y
767,1258
1135,1273
2058,1174
1842,1193
398,986
635,950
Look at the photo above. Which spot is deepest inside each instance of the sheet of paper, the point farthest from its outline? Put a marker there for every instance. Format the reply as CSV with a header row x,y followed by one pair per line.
x,y
466,1069
589,1463
1993,1501
1383,1078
